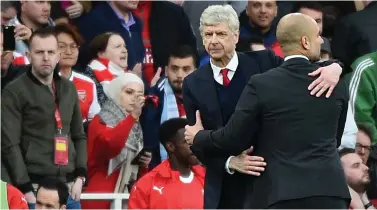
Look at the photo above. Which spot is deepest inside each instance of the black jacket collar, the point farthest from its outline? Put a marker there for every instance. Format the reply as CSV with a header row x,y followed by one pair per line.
x,y
56,76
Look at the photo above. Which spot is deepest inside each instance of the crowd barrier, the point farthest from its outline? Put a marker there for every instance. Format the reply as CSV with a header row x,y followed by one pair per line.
x,y
116,198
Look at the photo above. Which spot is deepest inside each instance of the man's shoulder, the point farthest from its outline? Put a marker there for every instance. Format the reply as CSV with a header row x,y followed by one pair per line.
x,y
82,78
18,83
199,73
169,6
365,61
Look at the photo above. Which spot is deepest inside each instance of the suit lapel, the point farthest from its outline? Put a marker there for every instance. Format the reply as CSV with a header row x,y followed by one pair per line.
x,y
206,87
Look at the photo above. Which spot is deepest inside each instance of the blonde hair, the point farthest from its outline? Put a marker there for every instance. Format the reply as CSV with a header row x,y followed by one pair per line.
x,y
114,88
217,14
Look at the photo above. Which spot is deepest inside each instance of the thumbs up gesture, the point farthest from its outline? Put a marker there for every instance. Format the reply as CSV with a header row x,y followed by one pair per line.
x,y
191,131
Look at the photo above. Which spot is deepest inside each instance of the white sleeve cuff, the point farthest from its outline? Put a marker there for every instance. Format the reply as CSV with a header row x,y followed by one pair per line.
x,y
227,169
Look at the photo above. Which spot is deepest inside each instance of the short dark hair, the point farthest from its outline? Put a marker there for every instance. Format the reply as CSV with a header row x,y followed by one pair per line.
x,y
346,151
308,5
366,129
70,30
183,51
59,186
169,129
99,44
6,5
43,33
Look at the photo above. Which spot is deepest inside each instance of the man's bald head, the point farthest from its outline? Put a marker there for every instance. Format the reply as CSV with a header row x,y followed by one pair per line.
x,y
299,34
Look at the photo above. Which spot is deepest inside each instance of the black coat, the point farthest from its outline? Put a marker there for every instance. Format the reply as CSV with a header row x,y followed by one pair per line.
x,y
355,35
298,135
169,27
199,93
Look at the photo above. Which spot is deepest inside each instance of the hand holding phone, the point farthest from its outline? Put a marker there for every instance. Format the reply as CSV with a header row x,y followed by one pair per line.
x,y
143,158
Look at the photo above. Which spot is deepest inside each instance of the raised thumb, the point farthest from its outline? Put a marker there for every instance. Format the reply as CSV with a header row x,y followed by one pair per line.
x,y
250,150
198,119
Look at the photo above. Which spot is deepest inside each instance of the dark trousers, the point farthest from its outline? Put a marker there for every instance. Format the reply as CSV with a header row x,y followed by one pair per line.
x,y
316,202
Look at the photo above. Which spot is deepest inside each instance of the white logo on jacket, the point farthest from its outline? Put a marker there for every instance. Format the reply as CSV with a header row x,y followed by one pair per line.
x,y
158,189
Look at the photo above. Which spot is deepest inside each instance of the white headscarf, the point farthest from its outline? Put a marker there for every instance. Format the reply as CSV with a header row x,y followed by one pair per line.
x,y
114,88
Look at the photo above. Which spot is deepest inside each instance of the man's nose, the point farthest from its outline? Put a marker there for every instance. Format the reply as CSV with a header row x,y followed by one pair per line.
x,y
45,56
214,39
263,9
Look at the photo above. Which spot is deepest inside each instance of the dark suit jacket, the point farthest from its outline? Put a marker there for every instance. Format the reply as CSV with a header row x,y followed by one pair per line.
x,y
298,136
169,27
199,93
355,35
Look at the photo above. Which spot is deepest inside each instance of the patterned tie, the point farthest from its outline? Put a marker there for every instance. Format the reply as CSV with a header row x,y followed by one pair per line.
x,y
226,79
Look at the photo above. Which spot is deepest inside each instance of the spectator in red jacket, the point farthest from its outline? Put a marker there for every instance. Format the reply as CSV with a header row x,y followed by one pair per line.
x,y
178,182
115,139
11,197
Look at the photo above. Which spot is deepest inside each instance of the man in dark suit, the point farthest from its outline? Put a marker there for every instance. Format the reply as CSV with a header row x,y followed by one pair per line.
x,y
214,90
298,133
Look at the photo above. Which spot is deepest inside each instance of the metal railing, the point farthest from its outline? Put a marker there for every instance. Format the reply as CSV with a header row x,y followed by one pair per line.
x,y
116,198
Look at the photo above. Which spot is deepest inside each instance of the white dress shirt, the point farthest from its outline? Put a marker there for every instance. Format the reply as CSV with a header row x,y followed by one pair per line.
x,y
295,56
232,66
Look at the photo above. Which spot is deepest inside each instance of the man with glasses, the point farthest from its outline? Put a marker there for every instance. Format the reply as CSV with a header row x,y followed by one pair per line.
x,y
363,142
69,41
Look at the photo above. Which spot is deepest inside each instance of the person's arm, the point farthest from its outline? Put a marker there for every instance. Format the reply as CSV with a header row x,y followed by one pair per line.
x,y
363,99
342,117
140,194
112,140
187,34
11,130
16,200
191,108
366,202
94,106
223,139
350,131
78,137
343,41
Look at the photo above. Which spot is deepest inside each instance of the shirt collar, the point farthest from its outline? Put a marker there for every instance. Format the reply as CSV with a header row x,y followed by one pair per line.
x,y
232,65
131,19
295,56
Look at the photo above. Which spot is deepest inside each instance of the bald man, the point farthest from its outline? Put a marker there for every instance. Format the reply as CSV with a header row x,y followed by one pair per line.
x,y
299,133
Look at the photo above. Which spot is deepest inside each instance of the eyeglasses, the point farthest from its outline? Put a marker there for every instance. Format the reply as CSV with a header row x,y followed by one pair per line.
x,y
64,47
360,146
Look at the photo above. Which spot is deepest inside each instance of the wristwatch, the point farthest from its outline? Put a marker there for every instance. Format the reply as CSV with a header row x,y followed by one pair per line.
x,y
368,205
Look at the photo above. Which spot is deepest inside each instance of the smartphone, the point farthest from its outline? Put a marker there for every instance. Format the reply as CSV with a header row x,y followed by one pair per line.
x,y
135,161
9,42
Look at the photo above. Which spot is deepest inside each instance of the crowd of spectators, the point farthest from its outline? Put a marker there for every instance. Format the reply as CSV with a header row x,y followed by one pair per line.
x,y
92,96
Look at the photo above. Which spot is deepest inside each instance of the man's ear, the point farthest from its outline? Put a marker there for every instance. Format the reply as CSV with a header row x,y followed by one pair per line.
x,y
166,67
170,147
28,55
305,42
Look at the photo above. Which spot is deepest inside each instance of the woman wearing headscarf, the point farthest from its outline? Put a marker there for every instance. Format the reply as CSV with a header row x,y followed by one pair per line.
x,y
114,140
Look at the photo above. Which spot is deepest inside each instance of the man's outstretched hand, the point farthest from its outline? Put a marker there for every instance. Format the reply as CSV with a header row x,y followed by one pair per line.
x,y
191,131
328,79
247,164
